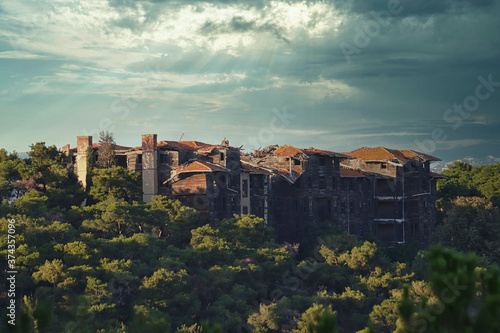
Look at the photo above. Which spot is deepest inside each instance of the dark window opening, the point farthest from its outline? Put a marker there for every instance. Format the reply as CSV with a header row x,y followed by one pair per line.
x,y
221,204
245,210
139,158
244,189
322,183
322,161
222,156
222,180
383,166
296,162
121,161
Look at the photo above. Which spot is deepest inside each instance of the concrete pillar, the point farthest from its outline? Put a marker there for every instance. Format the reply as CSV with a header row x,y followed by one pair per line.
x,y
82,145
149,167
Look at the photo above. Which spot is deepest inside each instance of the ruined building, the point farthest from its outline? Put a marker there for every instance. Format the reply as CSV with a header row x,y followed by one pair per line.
x,y
371,192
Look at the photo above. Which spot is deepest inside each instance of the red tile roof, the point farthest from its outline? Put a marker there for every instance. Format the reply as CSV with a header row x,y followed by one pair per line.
x,y
381,154
199,166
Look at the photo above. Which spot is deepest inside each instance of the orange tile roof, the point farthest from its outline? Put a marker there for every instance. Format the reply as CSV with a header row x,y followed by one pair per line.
x,y
311,151
287,151
291,151
199,166
192,145
346,172
381,154
413,153
184,145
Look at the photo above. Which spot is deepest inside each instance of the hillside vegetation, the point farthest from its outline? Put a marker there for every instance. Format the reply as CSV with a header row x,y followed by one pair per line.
x,y
103,261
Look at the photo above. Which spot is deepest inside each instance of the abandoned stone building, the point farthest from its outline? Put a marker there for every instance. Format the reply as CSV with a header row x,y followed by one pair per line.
x,y
371,192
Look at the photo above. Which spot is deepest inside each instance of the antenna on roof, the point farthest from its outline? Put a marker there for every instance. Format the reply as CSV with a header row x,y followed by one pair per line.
x,y
181,137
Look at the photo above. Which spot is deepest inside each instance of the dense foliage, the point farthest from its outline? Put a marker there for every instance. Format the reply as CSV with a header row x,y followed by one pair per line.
x,y
103,261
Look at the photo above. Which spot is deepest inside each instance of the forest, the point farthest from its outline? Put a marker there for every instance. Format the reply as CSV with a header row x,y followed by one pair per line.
x,y
100,260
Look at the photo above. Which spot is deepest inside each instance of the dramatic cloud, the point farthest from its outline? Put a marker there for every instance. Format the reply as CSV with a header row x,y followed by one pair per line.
x,y
349,73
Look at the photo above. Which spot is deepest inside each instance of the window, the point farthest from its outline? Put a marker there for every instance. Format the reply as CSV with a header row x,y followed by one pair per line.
x,y
221,204
222,156
321,161
139,158
244,189
296,162
322,183
383,166
222,180
245,210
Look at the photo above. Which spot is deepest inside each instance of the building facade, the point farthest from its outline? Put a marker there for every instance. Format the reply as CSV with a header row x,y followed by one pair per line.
x,y
371,192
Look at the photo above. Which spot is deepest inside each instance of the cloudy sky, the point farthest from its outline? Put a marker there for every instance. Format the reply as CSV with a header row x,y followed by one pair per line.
x,y
338,74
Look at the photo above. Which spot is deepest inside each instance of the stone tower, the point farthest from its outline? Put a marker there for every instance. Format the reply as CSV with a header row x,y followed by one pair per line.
x,y
82,148
149,166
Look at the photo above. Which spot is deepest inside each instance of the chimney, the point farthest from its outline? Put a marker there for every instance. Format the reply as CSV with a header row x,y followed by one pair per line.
x,y
66,149
149,166
82,145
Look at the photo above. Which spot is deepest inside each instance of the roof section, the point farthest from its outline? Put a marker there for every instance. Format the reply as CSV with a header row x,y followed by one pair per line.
x,y
291,151
413,153
184,145
437,175
291,177
194,145
311,151
351,173
287,151
381,154
199,166
97,145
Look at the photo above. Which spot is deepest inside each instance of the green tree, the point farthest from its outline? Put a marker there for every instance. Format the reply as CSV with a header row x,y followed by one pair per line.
x,y
266,320
106,152
473,224
467,298
171,220
52,272
317,319
116,182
